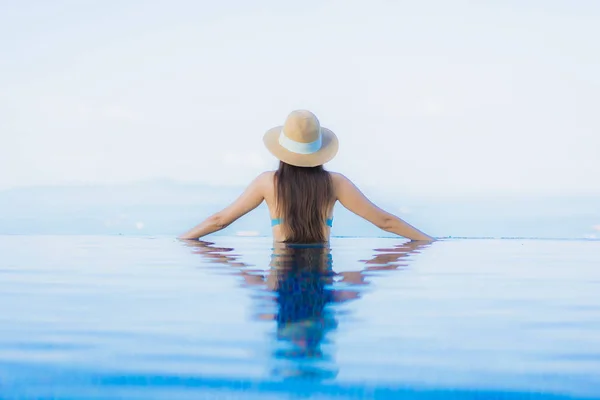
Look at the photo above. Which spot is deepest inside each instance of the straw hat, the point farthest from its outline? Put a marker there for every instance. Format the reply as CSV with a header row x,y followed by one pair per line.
x,y
302,141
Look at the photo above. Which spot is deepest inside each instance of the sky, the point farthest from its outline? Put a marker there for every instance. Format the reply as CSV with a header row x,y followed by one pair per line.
x,y
433,97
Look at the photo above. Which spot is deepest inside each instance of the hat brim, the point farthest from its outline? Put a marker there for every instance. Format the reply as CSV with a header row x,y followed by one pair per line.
x,y
328,150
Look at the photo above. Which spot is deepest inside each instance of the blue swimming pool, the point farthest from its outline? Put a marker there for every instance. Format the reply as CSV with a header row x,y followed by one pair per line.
x,y
153,318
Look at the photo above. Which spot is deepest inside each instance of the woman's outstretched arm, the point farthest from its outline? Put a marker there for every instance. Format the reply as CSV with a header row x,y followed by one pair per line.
x,y
354,200
248,201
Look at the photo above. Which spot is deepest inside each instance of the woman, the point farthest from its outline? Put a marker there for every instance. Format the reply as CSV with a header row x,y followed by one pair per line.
x,y
301,194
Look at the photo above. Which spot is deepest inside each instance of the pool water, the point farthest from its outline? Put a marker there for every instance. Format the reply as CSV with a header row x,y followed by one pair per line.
x,y
95,317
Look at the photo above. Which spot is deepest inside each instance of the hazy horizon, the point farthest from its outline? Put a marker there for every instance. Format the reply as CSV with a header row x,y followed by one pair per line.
x,y
238,187
168,208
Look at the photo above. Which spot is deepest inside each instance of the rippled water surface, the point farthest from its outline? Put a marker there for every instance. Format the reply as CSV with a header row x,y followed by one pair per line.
x,y
146,318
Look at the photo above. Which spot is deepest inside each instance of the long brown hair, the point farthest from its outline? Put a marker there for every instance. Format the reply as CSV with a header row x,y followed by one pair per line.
x,y
303,196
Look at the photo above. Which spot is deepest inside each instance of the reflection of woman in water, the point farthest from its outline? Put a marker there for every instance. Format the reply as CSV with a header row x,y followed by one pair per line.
x,y
301,279
301,195
301,276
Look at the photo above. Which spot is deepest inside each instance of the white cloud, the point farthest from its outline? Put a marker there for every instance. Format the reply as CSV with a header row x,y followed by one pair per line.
x,y
244,160
67,110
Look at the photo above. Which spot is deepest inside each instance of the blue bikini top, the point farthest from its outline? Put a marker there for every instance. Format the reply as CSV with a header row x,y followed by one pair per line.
x,y
277,221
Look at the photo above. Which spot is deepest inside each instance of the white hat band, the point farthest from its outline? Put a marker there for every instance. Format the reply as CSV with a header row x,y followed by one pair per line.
x,y
299,147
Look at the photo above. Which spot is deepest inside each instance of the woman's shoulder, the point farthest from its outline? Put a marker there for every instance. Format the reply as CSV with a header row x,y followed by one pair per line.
x,y
267,175
338,178
265,178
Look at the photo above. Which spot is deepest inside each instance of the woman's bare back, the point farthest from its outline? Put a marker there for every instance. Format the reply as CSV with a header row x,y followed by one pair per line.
x,y
345,192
